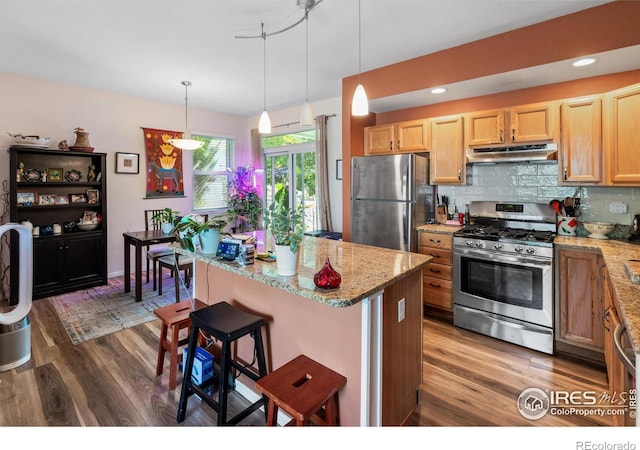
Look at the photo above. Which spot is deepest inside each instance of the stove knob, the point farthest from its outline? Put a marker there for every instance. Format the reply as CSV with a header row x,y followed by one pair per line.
x,y
497,246
469,243
479,244
531,250
519,249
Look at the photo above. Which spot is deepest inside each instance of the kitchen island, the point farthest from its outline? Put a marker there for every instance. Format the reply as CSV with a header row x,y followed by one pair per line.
x,y
369,329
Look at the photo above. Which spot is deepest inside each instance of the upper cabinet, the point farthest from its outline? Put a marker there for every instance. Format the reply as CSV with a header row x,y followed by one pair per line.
x,y
516,125
581,141
410,136
447,150
622,136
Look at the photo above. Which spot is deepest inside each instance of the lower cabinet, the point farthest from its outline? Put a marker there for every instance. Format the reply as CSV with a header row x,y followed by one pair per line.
x,y
437,275
67,263
579,303
619,384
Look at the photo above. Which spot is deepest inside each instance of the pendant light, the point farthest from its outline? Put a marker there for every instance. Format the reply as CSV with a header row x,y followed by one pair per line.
x,y
360,103
306,115
264,126
186,143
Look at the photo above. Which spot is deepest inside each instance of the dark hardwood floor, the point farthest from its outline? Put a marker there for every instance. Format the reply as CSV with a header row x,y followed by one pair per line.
x,y
469,380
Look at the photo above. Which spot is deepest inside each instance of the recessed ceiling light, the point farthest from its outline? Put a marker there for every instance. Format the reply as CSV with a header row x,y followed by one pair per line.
x,y
584,62
439,90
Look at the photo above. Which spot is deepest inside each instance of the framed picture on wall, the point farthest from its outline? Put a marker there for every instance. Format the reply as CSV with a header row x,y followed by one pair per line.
x,y
127,163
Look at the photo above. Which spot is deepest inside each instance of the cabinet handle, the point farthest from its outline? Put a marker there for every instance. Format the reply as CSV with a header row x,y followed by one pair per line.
x,y
398,144
391,145
435,256
619,348
435,241
501,137
459,175
435,270
565,174
513,134
435,285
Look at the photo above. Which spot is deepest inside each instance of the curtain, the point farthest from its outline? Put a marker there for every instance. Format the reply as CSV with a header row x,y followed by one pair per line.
x,y
322,175
256,149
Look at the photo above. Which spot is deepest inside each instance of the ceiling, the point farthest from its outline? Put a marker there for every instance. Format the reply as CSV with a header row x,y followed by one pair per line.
x,y
146,48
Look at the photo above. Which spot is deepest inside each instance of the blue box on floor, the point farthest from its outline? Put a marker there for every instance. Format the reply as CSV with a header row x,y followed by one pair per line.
x,y
202,365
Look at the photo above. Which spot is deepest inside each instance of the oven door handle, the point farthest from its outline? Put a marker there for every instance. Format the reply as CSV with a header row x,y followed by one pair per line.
x,y
525,261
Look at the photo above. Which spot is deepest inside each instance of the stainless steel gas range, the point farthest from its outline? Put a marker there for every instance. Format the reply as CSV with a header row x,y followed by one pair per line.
x,y
503,273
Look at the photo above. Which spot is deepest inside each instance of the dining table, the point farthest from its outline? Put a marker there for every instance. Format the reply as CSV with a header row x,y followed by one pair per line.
x,y
140,240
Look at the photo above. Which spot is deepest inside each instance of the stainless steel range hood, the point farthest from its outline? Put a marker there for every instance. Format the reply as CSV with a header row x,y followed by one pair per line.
x,y
515,153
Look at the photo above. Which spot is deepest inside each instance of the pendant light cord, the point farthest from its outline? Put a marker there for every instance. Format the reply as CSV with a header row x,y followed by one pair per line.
x,y
264,66
186,106
359,45
306,18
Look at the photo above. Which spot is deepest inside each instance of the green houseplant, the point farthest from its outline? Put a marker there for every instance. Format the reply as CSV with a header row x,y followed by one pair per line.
x,y
207,232
286,225
166,219
244,205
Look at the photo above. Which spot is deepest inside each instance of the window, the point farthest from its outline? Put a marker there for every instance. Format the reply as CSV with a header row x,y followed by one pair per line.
x,y
290,160
210,174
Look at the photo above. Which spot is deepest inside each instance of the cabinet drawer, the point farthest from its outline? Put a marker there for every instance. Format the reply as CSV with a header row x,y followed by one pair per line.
x,y
437,293
436,240
440,256
437,271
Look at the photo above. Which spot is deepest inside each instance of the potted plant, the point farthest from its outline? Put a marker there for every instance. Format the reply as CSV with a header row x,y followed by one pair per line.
x,y
166,219
244,205
207,232
286,225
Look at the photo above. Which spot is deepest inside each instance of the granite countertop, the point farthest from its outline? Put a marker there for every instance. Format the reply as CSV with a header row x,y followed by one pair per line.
x,y
439,228
615,254
364,269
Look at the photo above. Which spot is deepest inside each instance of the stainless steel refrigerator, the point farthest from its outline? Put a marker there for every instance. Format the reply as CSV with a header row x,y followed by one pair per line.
x,y
390,197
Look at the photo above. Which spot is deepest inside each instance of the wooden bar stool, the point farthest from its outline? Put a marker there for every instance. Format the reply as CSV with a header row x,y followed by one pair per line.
x,y
174,317
304,389
226,324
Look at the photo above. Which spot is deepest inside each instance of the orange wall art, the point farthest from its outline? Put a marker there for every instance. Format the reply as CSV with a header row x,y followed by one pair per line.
x,y
164,164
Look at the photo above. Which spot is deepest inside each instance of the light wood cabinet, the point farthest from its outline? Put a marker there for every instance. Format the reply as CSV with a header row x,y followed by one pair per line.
x,y
437,275
485,128
581,141
536,122
579,299
447,150
517,125
622,136
410,136
616,372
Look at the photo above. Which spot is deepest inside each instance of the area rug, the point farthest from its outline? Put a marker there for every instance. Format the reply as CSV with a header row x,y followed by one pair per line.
x,y
103,310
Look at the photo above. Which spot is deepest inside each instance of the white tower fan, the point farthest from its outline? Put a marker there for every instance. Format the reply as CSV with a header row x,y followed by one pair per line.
x,y
15,328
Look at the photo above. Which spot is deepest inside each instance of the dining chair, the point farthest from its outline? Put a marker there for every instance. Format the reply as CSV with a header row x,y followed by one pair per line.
x,y
175,263
155,252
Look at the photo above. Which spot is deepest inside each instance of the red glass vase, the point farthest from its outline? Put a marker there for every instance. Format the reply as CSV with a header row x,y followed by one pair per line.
x,y
327,277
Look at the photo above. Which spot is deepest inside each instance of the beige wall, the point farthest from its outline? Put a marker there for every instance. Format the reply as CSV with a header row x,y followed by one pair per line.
x,y
33,106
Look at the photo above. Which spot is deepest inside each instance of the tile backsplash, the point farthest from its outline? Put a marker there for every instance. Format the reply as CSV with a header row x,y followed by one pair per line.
x,y
538,182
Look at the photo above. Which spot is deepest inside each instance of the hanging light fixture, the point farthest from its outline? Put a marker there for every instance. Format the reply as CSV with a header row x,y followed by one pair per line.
x,y
264,126
360,103
186,143
306,115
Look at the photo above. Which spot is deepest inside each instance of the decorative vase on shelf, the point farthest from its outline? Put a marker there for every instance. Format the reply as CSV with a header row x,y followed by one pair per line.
x,y
286,260
327,277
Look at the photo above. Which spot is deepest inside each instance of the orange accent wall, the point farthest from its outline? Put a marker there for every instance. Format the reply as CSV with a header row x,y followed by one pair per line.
x,y
606,27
